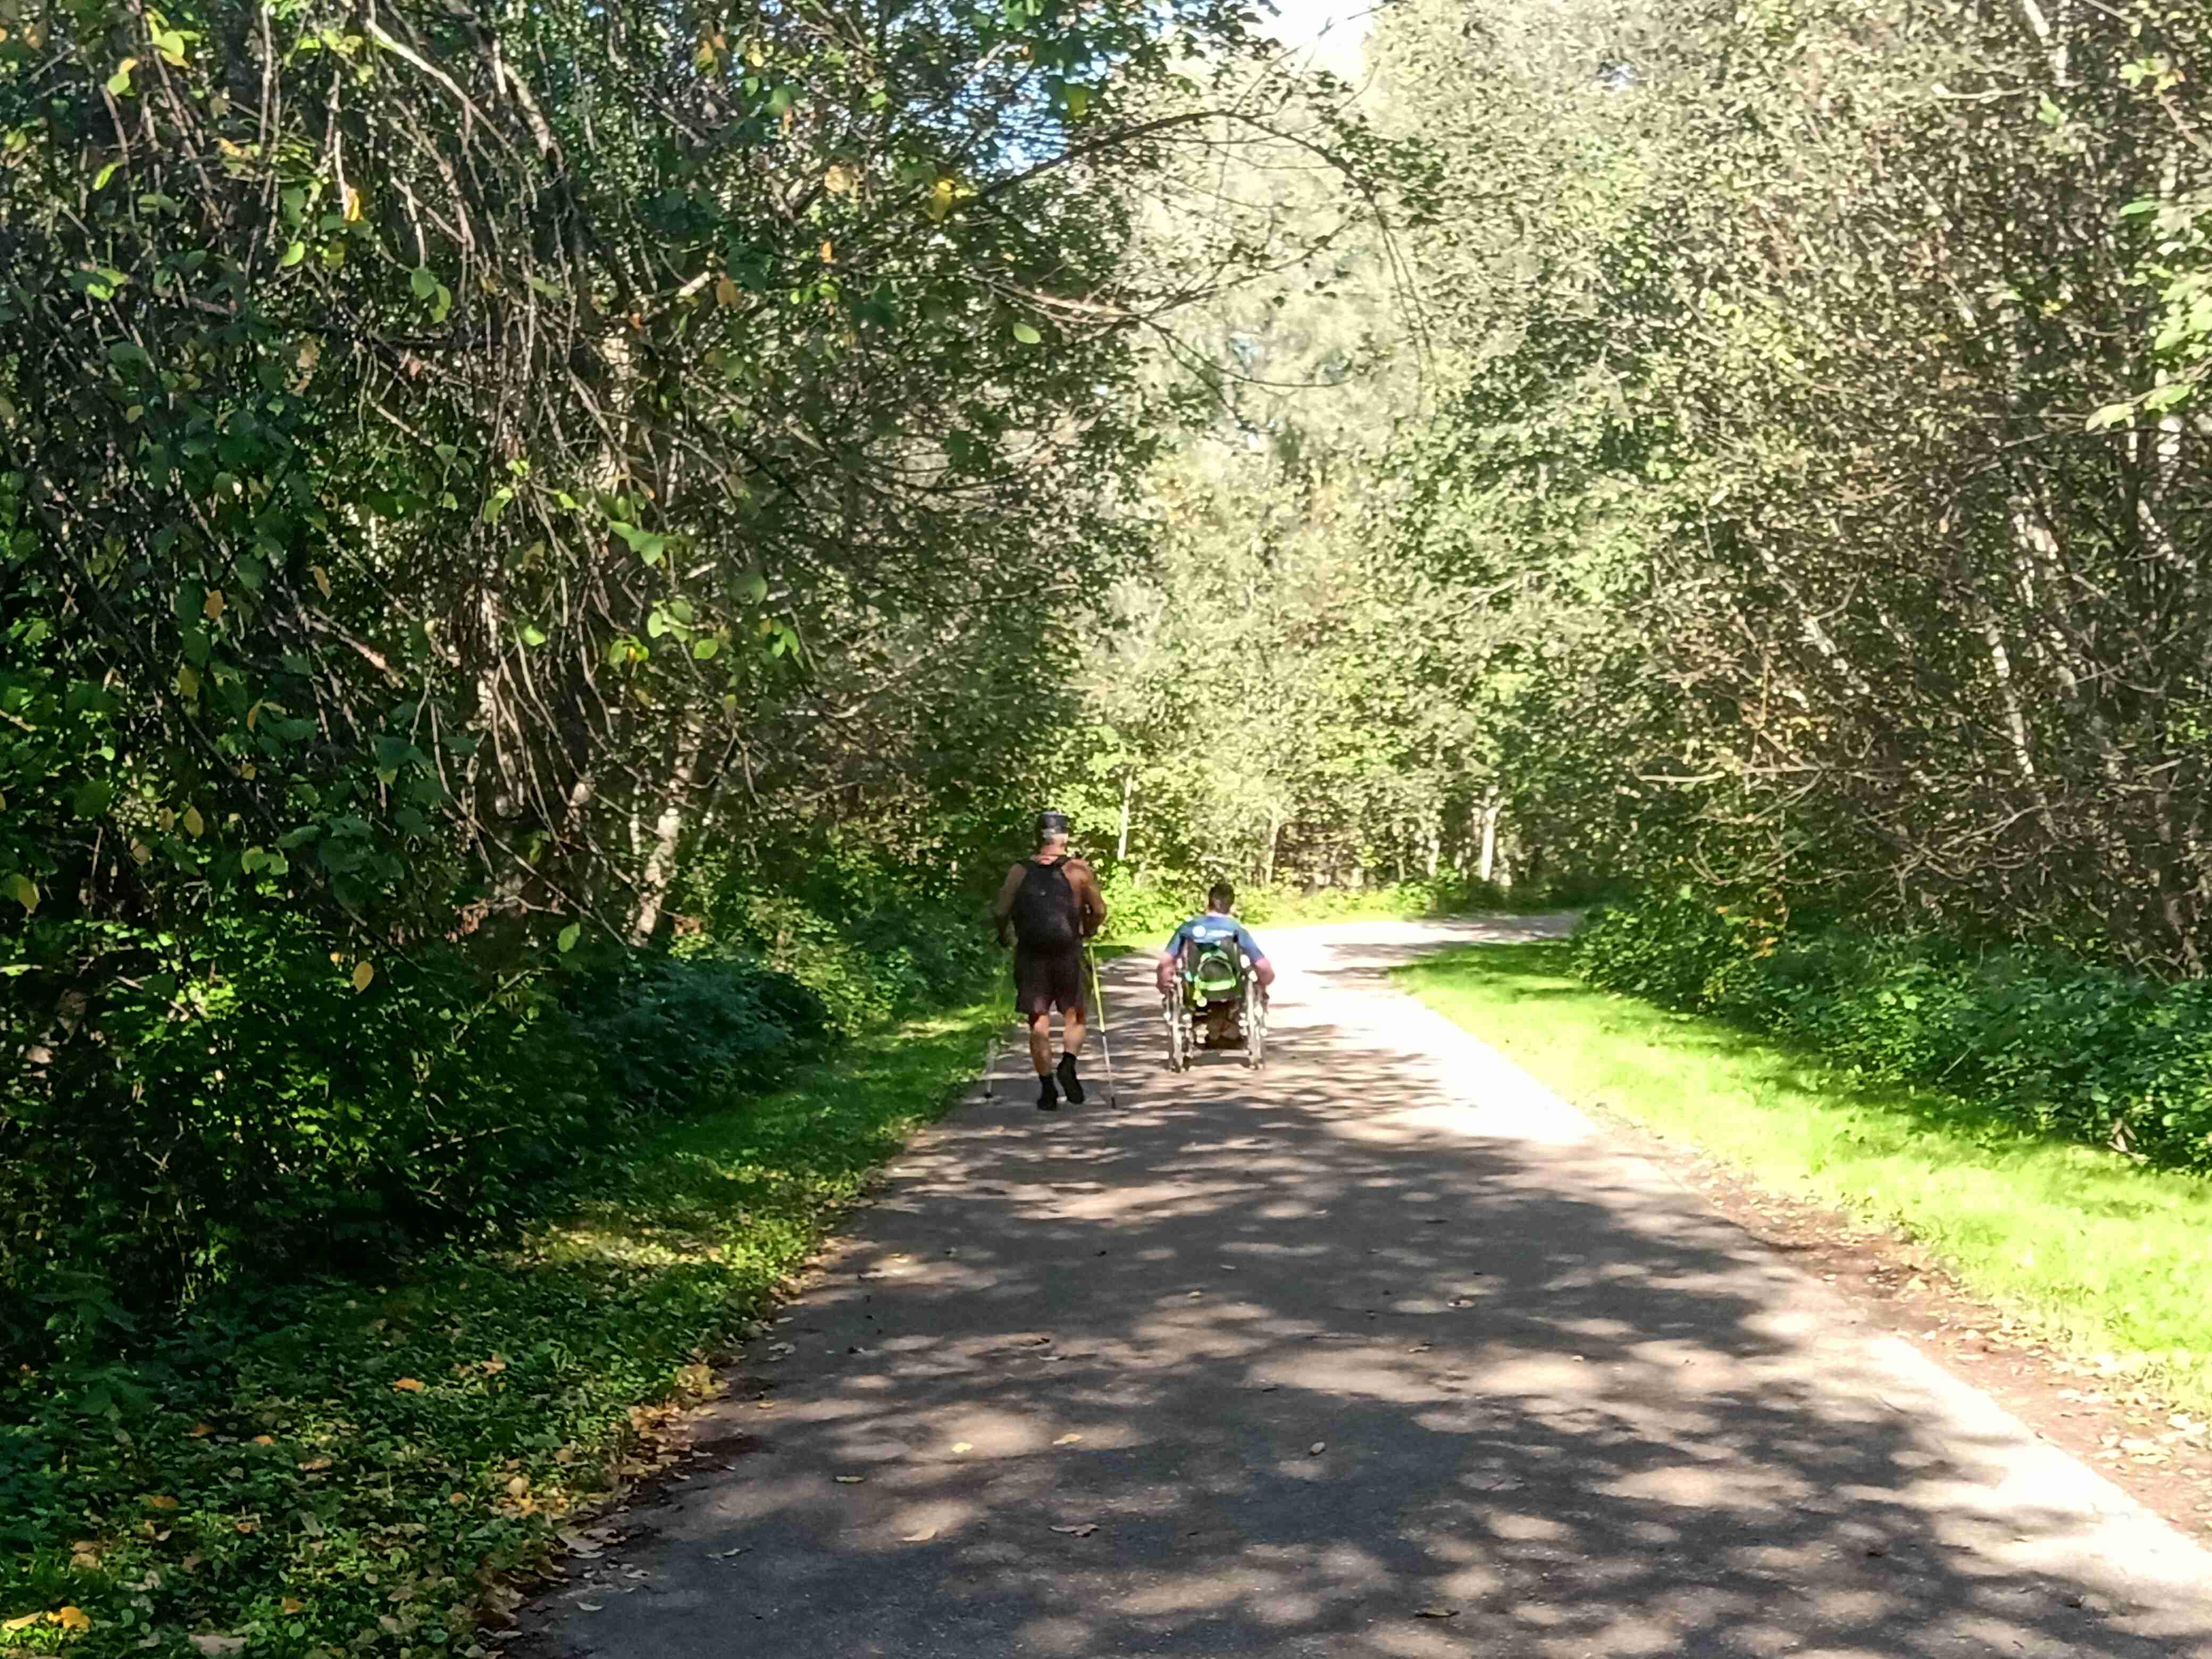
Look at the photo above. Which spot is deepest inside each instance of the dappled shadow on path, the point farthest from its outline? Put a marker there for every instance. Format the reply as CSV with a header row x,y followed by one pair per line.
x,y
1352,1358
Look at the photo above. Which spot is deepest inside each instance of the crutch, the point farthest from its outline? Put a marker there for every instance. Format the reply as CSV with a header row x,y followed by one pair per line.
x,y
1105,1047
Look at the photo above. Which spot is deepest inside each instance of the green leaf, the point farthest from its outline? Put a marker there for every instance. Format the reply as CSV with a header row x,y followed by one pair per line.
x,y
423,281
643,542
1028,335
2112,415
569,935
293,255
705,648
100,182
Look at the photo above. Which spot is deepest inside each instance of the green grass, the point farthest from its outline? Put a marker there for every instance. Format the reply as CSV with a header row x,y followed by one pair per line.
x,y
346,1469
2108,1257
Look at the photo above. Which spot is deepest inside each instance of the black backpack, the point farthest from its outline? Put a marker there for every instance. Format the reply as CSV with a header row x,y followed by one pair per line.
x,y
1045,911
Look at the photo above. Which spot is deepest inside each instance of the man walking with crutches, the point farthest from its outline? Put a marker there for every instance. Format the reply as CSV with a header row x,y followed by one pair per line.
x,y
1052,904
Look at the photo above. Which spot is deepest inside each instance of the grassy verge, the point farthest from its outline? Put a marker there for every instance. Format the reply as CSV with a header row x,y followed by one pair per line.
x,y
348,1470
2106,1255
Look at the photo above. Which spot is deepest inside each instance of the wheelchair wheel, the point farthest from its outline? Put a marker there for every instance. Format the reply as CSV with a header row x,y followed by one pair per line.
x,y
1178,1032
1255,1024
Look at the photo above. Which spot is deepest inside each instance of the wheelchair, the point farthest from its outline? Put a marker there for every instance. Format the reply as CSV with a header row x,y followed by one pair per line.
x,y
1217,1003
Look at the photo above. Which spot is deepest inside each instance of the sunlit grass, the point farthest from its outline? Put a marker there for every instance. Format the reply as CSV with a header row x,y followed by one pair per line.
x,y
2109,1257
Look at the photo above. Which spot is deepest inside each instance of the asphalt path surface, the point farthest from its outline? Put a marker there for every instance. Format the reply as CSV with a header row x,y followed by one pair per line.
x,y
1381,1351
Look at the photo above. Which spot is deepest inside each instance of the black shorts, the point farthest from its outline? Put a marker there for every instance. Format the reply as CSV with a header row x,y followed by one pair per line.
x,y
1048,978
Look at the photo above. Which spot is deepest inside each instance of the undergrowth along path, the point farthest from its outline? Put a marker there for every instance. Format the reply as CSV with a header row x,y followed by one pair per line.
x,y
360,1468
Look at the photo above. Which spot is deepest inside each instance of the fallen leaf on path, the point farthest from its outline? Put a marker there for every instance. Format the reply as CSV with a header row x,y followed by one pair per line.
x,y
848,1480
589,1607
1317,1448
922,1537
1435,1613
961,1446
1068,1440
407,1385
723,1555
1083,1530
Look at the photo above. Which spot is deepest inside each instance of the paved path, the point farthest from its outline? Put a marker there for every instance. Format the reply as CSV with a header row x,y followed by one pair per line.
x,y
1277,1366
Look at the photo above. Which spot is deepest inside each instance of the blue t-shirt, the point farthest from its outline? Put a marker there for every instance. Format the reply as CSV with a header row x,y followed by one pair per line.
x,y
1214,929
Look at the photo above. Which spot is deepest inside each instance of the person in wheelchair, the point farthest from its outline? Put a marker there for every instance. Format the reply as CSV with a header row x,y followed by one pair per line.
x,y
1204,955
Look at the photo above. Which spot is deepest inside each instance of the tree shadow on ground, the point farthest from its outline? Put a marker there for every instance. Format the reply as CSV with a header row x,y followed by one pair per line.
x,y
1335,1360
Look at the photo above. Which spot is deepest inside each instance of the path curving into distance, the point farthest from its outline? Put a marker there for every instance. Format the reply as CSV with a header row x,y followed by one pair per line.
x,y
1383,1351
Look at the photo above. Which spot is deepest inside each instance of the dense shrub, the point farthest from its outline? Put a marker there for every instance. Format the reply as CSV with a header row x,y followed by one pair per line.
x,y
2062,1046
235,1111
1146,912
875,963
671,1034
227,1109
1678,950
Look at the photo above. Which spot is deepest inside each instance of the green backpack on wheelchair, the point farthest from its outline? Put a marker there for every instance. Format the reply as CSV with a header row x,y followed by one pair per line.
x,y
1213,976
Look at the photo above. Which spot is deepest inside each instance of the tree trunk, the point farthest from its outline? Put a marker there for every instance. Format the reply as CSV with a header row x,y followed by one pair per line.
x,y
1489,861
667,831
